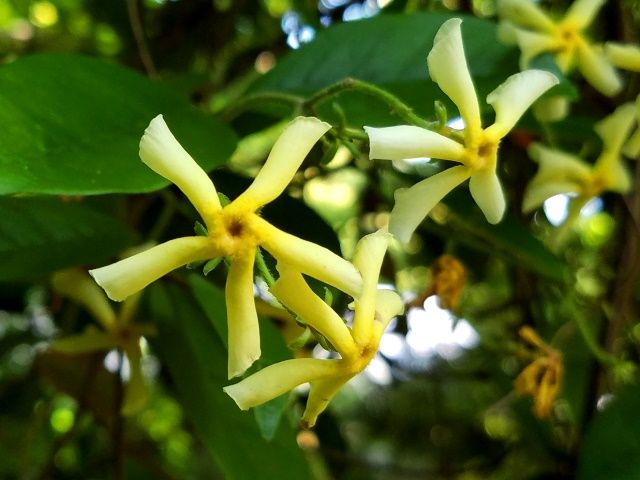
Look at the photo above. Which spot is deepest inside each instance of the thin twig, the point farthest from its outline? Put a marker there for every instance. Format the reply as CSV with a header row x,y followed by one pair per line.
x,y
141,42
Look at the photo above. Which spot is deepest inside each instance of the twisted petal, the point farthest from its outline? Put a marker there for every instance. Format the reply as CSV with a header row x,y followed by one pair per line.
x,y
322,392
551,109
598,71
293,292
448,68
136,393
91,340
622,56
285,158
525,13
582,12
556,165
617,177
242,319
404,141
311,259
279,378
533,44
414,204
161,152
132,274
367,259
388,305
507,32
78,286
614,129
486,190
537,192
511,99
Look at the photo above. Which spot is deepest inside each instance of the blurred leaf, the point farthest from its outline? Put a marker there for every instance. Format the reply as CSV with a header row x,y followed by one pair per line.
x,y
43,234
196,358
390,51
508,238
272,344
611,447
72,126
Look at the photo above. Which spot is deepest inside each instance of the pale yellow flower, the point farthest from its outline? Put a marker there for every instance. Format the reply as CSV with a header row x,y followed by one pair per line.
x,y
234,231
632,147
562,172
356,345
535,33
478,152
118,332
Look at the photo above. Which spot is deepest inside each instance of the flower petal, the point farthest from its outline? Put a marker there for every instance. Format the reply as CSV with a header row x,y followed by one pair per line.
x,y
279,378
78,286
405,141
388,305
448,68
132,274
322,392
90,340
537,192
310,259
598,71
294,293
533,44
551,109
615,128
285,158
582,12
486,190
414,204
161,152
136,392
526,14
511,99
622,56
367,258
242,319
632,147
556,165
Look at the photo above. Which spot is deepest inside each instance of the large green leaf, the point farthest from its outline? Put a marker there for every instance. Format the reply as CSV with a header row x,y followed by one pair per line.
x,y
72,126
390,51
272,345
196,358
611,447
40,235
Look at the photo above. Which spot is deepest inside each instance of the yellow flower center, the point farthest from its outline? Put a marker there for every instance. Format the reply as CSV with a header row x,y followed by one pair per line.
x,y
233,232
594,186
483,155
568,37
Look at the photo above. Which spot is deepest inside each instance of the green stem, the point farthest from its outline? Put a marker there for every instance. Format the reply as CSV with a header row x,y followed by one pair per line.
x,y
397,106
592,344
249,101
165,216
264,269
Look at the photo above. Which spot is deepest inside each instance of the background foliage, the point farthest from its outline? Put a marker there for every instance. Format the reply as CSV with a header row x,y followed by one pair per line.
x,y
79,82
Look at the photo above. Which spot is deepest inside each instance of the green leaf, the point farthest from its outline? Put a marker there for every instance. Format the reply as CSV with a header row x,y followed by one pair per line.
x,y
611,447
508,238
40,235
390,51
72,126
196,358
272,344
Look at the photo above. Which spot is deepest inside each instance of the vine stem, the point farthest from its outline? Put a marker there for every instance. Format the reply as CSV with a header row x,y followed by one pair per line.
x,y
307,105
135,21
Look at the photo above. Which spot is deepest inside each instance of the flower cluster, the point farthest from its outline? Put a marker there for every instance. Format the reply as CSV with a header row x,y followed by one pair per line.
x,y
235,230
